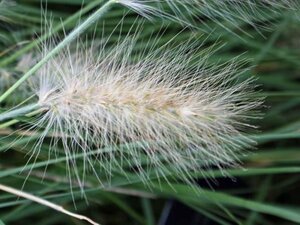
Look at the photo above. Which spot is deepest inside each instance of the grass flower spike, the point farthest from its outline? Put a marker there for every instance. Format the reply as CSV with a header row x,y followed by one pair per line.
x,y
162,113
191,12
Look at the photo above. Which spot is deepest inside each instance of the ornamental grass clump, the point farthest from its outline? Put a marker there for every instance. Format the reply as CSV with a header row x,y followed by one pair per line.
x,y
158,112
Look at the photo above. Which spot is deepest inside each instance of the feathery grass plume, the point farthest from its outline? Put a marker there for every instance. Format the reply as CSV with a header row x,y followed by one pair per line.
x,y
191,12
155,113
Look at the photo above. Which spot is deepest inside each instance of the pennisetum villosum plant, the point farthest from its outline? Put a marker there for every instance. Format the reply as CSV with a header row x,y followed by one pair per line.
x,y
163,111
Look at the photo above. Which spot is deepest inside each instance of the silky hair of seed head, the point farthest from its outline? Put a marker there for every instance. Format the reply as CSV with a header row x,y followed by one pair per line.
x,y
154,113
191,12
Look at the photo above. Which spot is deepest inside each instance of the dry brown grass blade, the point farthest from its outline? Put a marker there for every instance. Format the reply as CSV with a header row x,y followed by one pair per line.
x,y
45,203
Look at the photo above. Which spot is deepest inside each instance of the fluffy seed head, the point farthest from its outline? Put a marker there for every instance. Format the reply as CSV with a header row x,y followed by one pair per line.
x,y
190,12
159,112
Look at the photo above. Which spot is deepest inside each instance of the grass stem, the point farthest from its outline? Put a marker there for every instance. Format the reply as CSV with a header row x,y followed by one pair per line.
x,y
56,29
18,112
66,41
